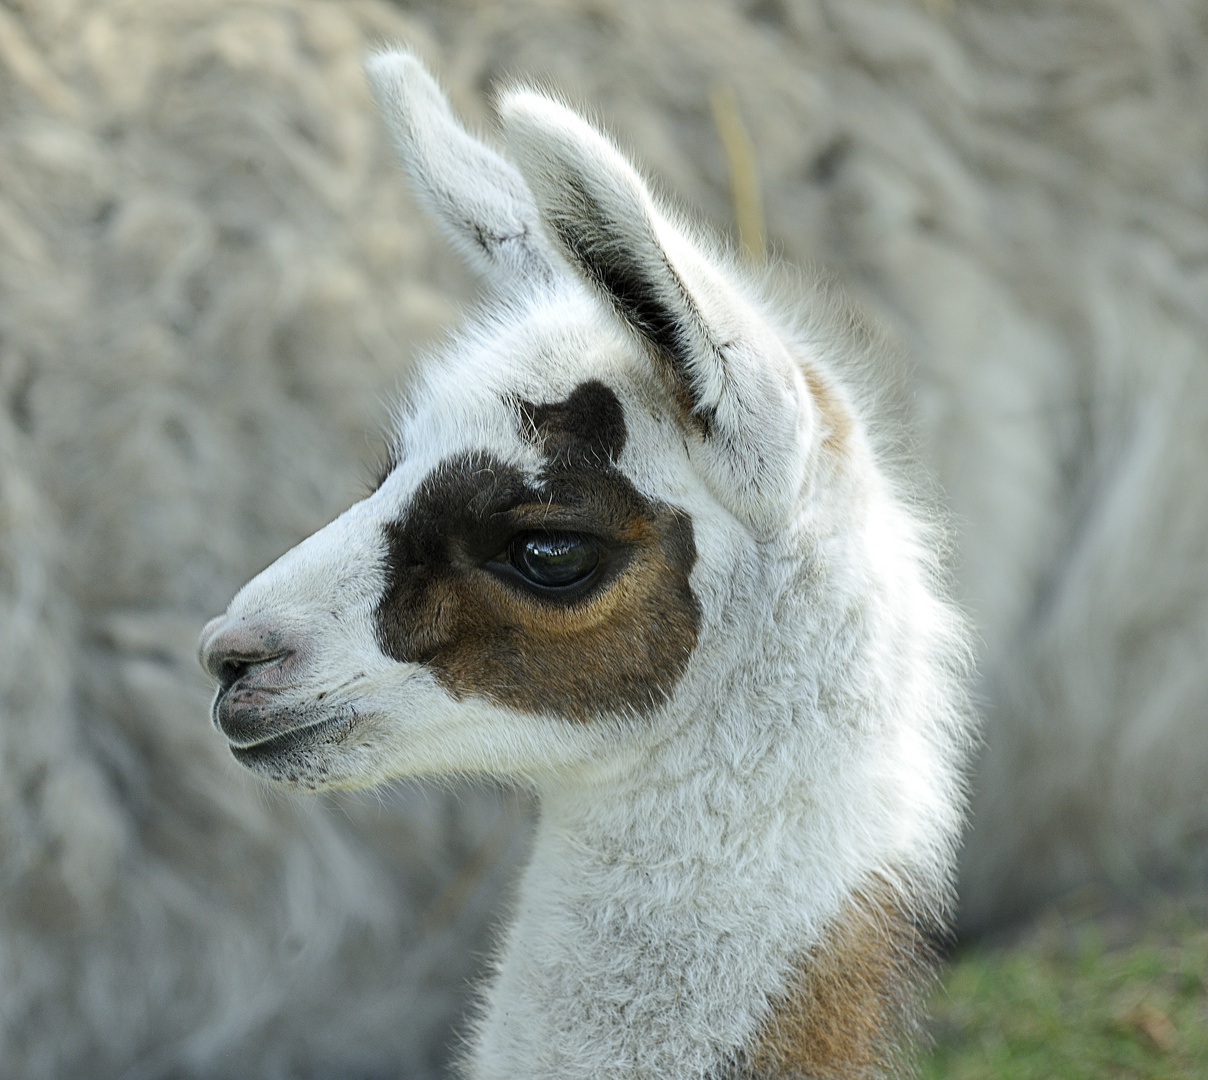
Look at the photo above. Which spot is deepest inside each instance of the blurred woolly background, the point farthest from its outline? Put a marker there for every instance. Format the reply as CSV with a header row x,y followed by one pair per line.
x,y
212,277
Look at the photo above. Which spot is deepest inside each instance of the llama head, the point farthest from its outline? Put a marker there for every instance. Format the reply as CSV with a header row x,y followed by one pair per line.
x,y
576,483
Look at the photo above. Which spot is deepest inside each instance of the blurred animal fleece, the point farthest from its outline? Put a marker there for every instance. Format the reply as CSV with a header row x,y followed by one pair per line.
x,y
212,279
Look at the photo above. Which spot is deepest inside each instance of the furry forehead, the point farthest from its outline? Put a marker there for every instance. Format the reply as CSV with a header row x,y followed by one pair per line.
x,y
469,394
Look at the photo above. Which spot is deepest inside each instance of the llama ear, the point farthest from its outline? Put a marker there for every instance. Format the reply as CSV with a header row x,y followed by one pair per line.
x,y
478,197
743,399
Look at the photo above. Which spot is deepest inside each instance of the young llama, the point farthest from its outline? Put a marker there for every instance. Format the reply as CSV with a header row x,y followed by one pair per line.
x,y
634,550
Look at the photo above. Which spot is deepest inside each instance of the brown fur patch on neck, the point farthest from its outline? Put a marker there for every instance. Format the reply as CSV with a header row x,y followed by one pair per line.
x,y
836,420
852,1002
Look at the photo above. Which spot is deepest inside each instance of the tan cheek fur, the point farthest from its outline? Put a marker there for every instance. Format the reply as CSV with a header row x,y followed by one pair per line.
x,y
621,649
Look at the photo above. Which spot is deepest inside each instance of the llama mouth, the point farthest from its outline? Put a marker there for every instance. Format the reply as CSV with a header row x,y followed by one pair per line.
x,y
282,745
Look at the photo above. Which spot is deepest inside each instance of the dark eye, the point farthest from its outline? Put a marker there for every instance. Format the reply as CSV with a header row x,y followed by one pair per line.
x,y
554,560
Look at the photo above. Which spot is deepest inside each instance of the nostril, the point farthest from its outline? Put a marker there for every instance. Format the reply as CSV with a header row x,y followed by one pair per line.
x,y
229,668
239,649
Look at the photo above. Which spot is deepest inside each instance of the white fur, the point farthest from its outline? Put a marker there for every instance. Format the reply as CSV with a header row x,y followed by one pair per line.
x,y
685,859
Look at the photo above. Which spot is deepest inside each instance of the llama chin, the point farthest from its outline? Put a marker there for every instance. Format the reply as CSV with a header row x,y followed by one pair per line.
x,y
635,550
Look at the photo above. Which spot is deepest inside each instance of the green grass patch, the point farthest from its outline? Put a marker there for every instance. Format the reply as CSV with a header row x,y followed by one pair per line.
x,y
1079,998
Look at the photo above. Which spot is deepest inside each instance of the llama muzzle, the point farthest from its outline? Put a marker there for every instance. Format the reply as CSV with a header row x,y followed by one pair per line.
x,y
253,667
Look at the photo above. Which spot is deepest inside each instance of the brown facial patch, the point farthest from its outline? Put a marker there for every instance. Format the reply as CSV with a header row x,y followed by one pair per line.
x,y
618,643
586,429
852,1001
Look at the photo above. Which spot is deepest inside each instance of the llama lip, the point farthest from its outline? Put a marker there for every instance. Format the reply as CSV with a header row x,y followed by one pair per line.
x,y
281,744
250,715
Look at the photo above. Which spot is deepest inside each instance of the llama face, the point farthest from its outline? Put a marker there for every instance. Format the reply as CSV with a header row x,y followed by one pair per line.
x,y
575,480
514,596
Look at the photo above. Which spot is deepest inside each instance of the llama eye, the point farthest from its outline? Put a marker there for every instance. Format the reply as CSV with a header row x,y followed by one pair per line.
x,y
554,560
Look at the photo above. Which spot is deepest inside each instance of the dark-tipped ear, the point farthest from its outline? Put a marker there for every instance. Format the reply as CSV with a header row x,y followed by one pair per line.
x,y
478,197
743,398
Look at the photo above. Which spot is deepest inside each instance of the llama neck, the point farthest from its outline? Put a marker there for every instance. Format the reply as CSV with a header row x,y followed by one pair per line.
x,y
669,900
